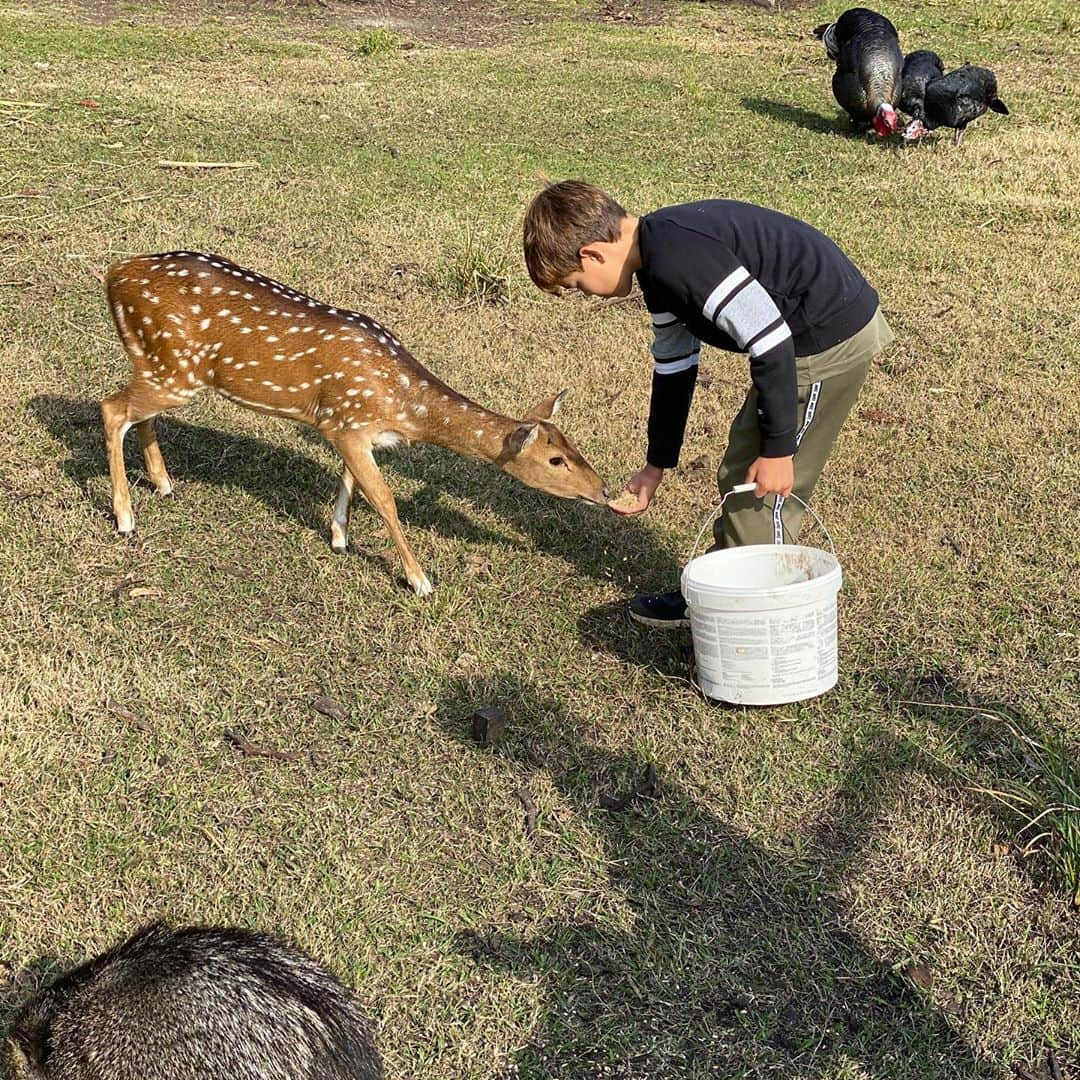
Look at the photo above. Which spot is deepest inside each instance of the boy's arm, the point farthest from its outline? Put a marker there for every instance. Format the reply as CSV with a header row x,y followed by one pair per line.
x,y
675,366
741,307
709,277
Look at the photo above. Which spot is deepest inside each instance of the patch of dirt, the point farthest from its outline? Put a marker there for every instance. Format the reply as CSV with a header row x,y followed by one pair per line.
x,y
447,22
473,23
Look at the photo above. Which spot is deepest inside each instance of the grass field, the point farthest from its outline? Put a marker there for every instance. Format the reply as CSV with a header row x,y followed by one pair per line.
x,y
821,890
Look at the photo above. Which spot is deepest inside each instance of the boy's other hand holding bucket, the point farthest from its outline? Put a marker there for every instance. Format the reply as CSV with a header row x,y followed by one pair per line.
x,y
773,476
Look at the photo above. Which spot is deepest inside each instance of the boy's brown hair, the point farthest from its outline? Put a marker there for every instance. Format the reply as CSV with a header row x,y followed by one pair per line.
x,y
560,221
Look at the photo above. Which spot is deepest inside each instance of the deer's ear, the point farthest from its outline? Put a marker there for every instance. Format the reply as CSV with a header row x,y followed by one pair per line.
x,y
546,409
522,437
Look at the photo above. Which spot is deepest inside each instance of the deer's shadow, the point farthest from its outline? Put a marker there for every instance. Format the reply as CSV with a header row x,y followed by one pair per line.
x,y
739,962
292,484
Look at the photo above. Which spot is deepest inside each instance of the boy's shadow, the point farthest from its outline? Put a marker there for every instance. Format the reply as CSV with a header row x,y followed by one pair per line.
x,y
738,960
290,483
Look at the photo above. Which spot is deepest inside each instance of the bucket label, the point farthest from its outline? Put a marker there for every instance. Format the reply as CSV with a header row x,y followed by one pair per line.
x,y
785,651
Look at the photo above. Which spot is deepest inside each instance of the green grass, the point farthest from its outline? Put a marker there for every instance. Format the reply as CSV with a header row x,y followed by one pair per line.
x,y
757,916
376,42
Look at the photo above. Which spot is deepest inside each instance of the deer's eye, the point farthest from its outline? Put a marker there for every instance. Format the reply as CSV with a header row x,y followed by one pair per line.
x,y
556,461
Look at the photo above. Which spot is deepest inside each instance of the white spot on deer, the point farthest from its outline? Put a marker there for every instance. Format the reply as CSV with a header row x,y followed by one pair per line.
x,y
352,391
245,329
479,433
204,325
384,440
404,380
181,273
420,410
368,393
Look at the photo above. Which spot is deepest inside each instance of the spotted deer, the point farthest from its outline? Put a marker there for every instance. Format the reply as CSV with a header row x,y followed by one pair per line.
x,y
191,322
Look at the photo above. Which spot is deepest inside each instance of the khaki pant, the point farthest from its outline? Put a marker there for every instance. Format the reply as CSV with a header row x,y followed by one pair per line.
x,y
829,384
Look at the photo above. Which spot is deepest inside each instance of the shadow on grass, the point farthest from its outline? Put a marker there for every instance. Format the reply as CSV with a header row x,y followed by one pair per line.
x,y
804,118
25,982
997,748
739,961
590,538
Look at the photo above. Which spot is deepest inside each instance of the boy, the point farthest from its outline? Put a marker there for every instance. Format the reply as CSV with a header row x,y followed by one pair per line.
x,y
741,278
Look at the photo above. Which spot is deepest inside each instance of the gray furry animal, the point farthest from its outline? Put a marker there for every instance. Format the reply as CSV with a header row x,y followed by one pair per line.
x,y
199,1003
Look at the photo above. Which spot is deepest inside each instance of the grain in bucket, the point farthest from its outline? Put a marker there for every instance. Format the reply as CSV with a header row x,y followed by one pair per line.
x,y
763,619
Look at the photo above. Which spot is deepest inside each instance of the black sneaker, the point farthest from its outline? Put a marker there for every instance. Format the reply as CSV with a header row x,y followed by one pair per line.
x,y
667,611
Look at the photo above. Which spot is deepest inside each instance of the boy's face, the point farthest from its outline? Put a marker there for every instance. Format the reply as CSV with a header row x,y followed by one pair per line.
x,y
606,270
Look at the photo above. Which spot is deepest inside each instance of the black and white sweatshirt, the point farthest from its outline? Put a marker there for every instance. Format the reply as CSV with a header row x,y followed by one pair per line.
x,y
745,279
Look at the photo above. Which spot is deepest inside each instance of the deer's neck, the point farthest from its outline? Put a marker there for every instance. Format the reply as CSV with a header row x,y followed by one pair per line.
x,y
457,423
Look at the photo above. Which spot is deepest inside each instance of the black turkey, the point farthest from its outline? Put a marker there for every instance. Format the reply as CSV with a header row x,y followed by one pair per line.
x,y
866,82
955,100
919,69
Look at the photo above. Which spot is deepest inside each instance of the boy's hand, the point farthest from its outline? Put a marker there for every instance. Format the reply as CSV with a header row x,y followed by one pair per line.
x,y
640,489
773,476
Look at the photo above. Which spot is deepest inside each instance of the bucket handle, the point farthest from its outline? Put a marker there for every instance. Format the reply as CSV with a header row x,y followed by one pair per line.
x,y
740,489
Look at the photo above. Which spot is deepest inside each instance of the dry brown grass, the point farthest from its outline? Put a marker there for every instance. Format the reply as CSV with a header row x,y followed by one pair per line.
x,y
754,919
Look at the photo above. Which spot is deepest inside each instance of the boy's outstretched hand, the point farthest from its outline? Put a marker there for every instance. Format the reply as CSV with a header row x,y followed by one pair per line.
x,y
640,489
773,476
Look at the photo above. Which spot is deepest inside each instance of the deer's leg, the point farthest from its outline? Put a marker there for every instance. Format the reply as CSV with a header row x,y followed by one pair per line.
x,y
155,463
361,464
136,403
339,526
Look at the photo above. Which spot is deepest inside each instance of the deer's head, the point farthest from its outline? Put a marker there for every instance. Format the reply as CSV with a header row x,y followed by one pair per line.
x,y
537,453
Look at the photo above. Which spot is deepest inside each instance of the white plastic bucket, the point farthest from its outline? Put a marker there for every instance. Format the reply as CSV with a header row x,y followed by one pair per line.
x,y
763,620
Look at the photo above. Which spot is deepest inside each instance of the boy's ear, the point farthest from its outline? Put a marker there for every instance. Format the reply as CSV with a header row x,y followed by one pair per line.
x,y
590,252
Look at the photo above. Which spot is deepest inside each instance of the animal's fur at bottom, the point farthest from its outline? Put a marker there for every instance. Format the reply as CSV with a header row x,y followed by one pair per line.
x,y
200,1003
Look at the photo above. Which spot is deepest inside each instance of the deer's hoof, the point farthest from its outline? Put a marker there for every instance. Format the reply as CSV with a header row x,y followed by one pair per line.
x,y
125,525
421,586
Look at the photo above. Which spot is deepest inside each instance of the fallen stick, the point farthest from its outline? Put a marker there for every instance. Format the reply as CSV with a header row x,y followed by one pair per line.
x,y
6,284
165,164
246,746
531,812
1055,1068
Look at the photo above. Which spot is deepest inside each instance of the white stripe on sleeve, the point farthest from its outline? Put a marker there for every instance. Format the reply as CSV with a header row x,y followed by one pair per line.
x,y
748,313
771,340
722,291
674,366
